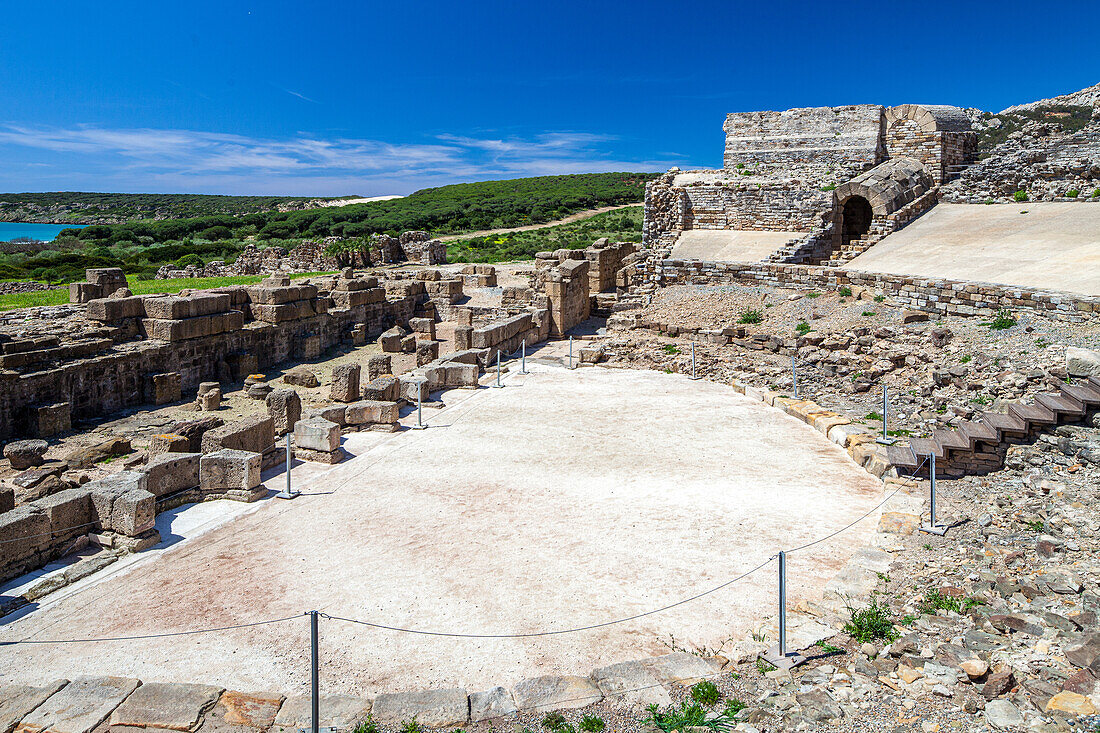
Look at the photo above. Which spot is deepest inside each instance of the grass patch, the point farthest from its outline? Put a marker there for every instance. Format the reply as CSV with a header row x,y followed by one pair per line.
x,y
671,349
592,724
803,328
764,667
1002,321
873,416
965,359
1019,196
868,314
880,298
675,718
411,726
705,693
1036,525
872,623
827,647
751,315
936,600
813,294
845,292
367,725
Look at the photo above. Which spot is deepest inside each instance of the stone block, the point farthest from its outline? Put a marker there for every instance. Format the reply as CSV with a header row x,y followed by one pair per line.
x,y
17,701
343,712
243,712
228,469
345,383
317,434
210,401
301,376
161,389
631,683
173,307
425,326
48,420
384,389
408,344
285,408
112,310
379,365
679,668
171,472
431,708
168,443
391,340
24,531
412,389
333,413
372,412
69,511
24,454
255,434
1082,362
494,703
166,705
80,706
205,387
555,693
426,352
463,338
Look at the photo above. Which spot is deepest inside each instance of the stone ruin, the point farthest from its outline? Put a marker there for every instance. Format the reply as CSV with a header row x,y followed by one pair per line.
x,y
838,177
310,256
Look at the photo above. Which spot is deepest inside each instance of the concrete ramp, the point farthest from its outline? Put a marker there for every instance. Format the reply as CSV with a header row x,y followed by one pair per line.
x,y
729,245
1054,245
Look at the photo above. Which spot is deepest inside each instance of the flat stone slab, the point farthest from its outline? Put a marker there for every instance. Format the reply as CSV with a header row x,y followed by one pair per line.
x,y
337,711
17,701
243,712
632,684
431,708
167,705
553,693
490,704
680,668
79,706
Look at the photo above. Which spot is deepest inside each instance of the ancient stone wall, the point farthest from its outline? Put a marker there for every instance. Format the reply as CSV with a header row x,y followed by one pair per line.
x,y
933,295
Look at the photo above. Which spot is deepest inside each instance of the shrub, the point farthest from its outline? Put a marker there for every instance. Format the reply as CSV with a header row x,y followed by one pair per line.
x,y
366,726
592,724
1096,193
191,259
1003,320
845,291
688,714
872,623
1072,193
671,349
868,314
705,693
411,726
813,294
1019,196
733,707
830,187
803,328
751,315
880,298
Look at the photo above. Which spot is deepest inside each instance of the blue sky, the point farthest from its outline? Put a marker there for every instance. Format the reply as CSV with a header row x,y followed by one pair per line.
x,y
327,98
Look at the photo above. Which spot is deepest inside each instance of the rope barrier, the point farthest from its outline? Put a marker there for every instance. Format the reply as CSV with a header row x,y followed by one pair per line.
x,y
162,635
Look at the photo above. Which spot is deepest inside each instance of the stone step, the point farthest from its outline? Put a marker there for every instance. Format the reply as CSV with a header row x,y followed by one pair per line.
x,y
1033,414
1084,393
1061,404
951,440
1004,422
923,446
902,457
1094,381
976,431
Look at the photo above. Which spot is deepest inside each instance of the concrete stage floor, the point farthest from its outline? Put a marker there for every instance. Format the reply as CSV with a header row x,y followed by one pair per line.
x,y
729,245
1055,245
566,498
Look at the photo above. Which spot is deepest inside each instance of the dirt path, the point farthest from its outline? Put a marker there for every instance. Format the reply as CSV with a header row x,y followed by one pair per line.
x,y
567,220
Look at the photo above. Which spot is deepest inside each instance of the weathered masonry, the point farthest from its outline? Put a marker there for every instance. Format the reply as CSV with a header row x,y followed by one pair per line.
x,y
837,178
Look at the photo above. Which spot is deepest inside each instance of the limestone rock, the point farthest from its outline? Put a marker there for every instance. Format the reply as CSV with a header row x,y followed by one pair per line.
x,y
81,705
631,683
317,434
1070,702
241,709
337,711
552,693
431,708
345,383
17,701
490,704
1002,714
24,454
285,408
301,376
170,705
1082,362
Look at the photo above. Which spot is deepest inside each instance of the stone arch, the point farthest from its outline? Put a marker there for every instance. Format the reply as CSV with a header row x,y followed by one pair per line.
x,y
928,118
888,186
937,135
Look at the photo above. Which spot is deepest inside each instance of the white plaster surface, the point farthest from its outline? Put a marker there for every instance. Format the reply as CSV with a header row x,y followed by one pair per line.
x,y
565,499
729,245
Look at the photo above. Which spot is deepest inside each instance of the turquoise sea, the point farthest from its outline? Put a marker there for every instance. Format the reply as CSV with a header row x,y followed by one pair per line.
x,y
42,232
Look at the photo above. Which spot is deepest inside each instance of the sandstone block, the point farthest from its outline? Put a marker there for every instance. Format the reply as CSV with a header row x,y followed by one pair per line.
x,y
317,434
80,706
431,708
161,389
337,711
240,711
1082,362
168,443
285,408
167,705
425,326
379,365
301,376
490,704
386,389
210,401
555,693
255,434
24,454
173,307
372,412
47,420
631,683
426,352
229,469
68,511
171,472
391,340
345,383
17,701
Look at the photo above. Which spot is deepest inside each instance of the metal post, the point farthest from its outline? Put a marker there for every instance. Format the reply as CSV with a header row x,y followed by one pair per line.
x,y
315,698
693,360
288,493
885,439
419,405
498,384
794,376
523,357
570,352
782,604
933,527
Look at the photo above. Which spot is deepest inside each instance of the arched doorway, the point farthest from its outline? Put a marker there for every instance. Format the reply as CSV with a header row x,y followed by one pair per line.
x,y
855,219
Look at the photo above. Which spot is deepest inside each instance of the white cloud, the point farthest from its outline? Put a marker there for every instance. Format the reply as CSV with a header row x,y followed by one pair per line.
x,y
193,160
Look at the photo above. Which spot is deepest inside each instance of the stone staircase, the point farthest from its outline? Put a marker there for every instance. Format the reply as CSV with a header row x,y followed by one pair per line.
x,y
854,248
979,446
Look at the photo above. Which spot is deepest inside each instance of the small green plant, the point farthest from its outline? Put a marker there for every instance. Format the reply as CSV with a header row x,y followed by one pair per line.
x,y
927,545
1036,525
1019,196
872,623
1023,211
672,349
367,725
554,721
880,298
813,294
829,187
907,620
1072,193
592,724
827,647
1042,343
1003,320
873,416
803,328
988,202
845,292
411,726
764,667
758,636
732,707
980,400
1096,193
868,314
687,714
705,693
937,600
751,315
965,359
900,433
